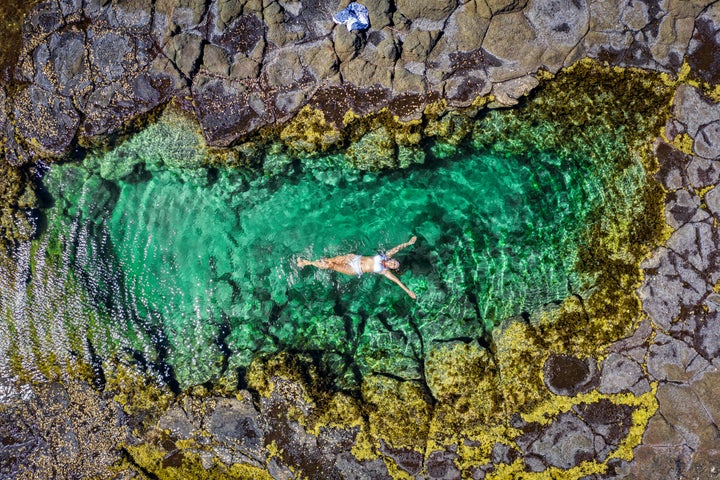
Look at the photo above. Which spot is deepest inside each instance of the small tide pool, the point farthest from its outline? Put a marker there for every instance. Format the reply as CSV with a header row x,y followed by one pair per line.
x,y
189,271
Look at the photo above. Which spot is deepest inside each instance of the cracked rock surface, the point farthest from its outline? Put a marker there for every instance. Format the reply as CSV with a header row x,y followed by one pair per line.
x,y
89,67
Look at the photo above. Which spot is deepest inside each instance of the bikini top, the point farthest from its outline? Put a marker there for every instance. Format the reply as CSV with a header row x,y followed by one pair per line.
x,y
377,263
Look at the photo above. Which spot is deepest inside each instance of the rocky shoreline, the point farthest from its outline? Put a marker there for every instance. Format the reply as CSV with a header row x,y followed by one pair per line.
x,y
644,406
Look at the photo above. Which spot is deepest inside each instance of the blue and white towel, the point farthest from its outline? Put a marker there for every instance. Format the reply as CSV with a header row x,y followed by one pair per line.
x,y
354,17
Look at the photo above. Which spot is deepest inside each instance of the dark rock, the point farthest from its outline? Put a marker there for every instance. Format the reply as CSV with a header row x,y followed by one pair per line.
x,y
18,443
111,54
609,420
45,18
60,431
408,460
704,50
502,453
336,440
440,466
299,449
672,172
70,71
241,35
177,422
238,424
185,51
567,375
350,467
227,110
47,120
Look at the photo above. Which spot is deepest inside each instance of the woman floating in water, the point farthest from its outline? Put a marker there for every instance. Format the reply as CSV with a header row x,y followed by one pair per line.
x,y
352,264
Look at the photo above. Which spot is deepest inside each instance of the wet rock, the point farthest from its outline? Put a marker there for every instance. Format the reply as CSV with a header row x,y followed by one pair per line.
x,y
47,120
620,373
62,430
567,375
110,53
300,450
237,424
227,110
176,421
608,420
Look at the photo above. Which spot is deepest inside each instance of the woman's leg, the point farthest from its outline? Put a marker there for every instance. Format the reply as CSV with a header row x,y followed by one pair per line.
x,y
340,263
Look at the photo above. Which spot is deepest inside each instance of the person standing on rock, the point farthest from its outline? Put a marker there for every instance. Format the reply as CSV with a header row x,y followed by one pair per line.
x,y
353,264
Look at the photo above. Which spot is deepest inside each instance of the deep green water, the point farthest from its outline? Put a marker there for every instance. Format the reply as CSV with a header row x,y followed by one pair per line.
x,y
190,271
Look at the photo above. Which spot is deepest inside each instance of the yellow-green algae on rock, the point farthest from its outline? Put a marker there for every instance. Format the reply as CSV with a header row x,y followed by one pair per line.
x,y
466,392
471,391
477,390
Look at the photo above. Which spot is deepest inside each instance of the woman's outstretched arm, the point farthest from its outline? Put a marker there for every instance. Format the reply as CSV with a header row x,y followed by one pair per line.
x,y
393,251
393,278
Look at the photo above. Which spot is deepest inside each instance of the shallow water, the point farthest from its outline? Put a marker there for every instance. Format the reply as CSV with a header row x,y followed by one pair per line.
x,y
190,271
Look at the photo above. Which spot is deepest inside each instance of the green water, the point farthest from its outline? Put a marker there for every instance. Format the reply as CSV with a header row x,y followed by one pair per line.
x,y
190,271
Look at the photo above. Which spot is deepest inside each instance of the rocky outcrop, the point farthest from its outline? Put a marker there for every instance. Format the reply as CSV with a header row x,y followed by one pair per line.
x,y
646,403
679,344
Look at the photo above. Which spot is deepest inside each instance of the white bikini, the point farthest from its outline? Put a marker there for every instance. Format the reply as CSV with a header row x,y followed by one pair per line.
x,y
377,264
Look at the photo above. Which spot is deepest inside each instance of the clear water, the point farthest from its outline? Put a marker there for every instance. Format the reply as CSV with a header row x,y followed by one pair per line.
x,y
190,271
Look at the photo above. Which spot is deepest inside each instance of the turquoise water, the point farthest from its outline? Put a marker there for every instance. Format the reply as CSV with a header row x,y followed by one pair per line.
x,y
190,271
